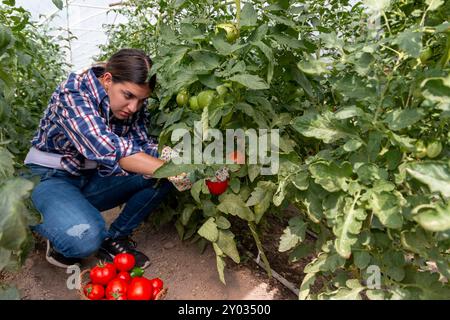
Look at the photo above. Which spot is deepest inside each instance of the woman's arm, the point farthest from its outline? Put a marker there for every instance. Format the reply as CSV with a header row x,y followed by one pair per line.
x,y
140,163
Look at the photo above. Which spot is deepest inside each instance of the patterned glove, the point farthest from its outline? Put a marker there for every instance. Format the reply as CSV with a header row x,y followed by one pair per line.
x,y
181,181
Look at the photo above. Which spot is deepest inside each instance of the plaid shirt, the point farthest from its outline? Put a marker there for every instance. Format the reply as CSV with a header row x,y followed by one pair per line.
x,y
79,125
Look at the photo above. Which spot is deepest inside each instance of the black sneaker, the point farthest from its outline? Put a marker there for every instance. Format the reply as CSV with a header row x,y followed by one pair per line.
x,y
57,259
110,248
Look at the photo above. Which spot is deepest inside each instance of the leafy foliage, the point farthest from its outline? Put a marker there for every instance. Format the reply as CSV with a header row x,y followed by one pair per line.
x,y
358,91
31,66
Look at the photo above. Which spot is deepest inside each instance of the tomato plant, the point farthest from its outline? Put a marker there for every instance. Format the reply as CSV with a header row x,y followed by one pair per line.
x,y
31,66
358,92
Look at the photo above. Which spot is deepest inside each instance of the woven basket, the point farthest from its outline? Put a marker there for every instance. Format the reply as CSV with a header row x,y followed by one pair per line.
x,y
84,280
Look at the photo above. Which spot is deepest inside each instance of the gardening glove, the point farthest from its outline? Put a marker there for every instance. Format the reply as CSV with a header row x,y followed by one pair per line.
x,y
181,181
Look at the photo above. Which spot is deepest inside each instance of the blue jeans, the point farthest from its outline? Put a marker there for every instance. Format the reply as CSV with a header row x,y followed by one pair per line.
x,y
71,205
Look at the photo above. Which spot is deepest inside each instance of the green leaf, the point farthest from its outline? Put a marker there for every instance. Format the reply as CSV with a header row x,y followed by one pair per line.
x,y
401,119
410,42
262,194
348,227
301,251
196,189
323,127
221,268
331,40
313,67
342,294
324,262
58,3
13,222
224,48
370,172
187,213
223,223
301,180
352,145
253,171
4,258
171,169
434,4
387,208
434,219
435,175
9,293
305,287
250,81
361,259
234,205
209,208
331,176
249,16
6,163
227,244
280,194
437,90
293,234
209,230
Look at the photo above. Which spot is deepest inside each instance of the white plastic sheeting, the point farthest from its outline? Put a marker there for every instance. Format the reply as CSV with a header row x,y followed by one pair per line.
x,y
83,18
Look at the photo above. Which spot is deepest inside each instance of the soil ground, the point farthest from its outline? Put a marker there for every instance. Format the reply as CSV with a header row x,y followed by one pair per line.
x,y
187,273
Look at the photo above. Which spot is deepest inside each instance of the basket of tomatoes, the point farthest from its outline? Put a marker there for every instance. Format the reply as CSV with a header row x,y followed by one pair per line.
x,y
119,280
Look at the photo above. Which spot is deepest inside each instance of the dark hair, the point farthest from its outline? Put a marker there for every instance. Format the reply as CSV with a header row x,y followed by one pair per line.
x,y
130,65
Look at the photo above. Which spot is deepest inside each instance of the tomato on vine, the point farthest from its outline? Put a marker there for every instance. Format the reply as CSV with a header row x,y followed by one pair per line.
x,y
182,98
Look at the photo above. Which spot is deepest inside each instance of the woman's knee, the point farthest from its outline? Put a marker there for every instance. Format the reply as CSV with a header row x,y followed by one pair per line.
x,y
83,240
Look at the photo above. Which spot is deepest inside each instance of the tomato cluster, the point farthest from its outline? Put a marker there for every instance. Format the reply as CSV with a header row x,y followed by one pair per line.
x,y
121,280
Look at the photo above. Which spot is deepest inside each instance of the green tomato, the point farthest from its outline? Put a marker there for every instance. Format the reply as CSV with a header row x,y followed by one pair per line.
x,y
205,98
182,98
193,103
425,55
434,149
221,90
232,32
421,150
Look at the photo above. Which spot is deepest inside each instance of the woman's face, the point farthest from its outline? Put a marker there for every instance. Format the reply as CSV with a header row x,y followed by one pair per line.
x,y
126,98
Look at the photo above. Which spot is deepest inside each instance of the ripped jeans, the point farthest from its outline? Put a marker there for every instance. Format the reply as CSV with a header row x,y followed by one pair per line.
x,y
71,205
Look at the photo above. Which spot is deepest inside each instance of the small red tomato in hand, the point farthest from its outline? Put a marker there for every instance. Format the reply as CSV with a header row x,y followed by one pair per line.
x,y
94,291
103,273
217,187
140,288
116,289
125,276
157,283
124,261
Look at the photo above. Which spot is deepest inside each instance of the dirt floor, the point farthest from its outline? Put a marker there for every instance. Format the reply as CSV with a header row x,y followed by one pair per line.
x,y
187,273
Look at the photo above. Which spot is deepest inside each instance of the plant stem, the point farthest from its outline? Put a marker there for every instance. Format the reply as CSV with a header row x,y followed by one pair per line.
x,y
238,13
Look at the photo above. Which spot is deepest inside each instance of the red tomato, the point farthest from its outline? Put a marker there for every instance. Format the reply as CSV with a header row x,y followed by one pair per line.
x,y
237,157
155,292
217,187
103,273
94,291
116,289
140,288
125,276
157,283
124,261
